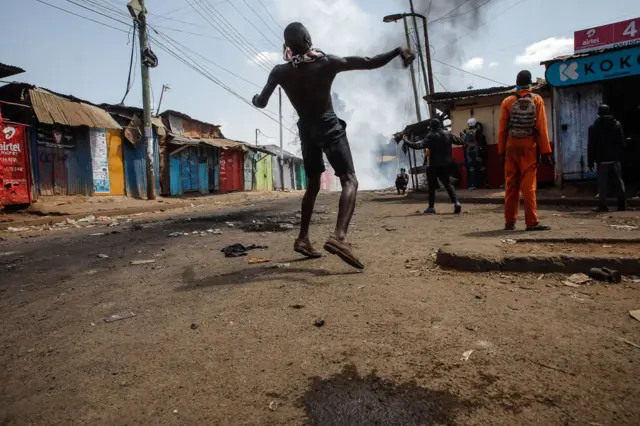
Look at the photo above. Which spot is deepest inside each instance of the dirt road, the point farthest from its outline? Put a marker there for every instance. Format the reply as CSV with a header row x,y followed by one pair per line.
x,y
216,341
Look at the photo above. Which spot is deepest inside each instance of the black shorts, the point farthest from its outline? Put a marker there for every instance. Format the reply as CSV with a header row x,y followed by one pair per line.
x,y
325,134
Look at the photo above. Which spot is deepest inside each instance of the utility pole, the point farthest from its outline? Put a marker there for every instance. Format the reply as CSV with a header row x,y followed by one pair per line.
x,y
412,70
281,148
165,88
419,46
138,12
257,131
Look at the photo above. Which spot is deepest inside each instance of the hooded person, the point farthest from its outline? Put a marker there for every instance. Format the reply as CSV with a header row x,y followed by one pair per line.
x,y
438,144
306,77
475,153
523,141
606,150
402,180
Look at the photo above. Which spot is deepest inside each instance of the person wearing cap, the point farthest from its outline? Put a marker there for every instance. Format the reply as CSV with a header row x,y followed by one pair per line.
x,y
475,153
523,141
606,149
402,180
438,143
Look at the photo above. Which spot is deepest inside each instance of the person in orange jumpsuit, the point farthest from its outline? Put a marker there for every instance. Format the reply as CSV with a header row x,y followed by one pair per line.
x,y
523,140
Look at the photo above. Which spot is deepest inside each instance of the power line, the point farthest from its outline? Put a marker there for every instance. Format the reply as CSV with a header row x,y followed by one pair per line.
x,y
468,11
439,82
253,25
278,37
468,72
270,15
446,15
133,49
83,17
229,36
95,11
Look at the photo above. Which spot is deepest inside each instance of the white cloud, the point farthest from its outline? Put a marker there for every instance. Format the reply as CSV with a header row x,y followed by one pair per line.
x,y
544,50
493,65
473,64
267,58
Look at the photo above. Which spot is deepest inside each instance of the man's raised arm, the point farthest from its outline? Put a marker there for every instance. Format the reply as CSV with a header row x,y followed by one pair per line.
x,y
261,100
353,63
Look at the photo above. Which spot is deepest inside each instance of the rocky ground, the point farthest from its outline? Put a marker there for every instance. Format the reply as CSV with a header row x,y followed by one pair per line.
x,y
220,341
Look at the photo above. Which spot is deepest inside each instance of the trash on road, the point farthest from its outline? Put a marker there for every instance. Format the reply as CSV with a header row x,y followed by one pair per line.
x,y
8,253
238,250
97,234
509,241
102,256
214,231
257,260
630,343
635,314
194,326
636,281
143,262
90,218
318,323
467,354
606,275
119,316
286,226
175,234
273,406
390,228
21,229
576,280
278,266
624,227
230,224
296,306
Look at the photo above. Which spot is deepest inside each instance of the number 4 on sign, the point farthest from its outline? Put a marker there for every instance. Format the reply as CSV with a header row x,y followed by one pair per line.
x,y
631,30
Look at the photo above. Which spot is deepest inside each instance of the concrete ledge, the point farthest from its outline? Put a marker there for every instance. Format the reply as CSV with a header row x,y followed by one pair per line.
x,y
486,258
468,197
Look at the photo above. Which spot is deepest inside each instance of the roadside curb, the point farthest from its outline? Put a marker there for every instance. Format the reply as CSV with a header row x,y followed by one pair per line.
x,y
487,258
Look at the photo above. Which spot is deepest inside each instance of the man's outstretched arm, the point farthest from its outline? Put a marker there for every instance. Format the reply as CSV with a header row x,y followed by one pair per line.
x,y
261,100
353,63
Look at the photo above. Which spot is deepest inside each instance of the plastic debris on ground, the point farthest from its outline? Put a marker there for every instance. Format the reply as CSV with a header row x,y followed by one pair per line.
x,y
606,275
635,314
21,229
257,260
119,316
624,227
102,256
576,280
278,266
509,241
239,250
286,226
143,262
467,354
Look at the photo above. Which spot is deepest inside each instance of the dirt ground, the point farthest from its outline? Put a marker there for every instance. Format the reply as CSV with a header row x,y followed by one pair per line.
x,y
216,341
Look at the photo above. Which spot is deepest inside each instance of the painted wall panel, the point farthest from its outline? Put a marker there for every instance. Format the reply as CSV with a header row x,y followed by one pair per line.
x,y
99,161
135,168
116,162
203,174
248,173
264,172
174,173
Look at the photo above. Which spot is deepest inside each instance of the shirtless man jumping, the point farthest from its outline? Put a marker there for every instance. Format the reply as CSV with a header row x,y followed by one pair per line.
x,y
306,79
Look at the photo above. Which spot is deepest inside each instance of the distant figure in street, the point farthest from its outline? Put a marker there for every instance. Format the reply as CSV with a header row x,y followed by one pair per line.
x,y
523,140
475,153
438,143
606,150
306,78
402,180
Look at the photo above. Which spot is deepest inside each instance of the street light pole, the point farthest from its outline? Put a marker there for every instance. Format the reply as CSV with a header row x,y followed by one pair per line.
x,y
412,70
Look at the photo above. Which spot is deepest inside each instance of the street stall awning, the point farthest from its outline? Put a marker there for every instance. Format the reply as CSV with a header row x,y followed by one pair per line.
x,y
224,143
54,109
181,140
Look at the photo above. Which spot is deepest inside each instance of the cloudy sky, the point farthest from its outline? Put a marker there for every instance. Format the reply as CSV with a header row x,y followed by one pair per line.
x,y
476,43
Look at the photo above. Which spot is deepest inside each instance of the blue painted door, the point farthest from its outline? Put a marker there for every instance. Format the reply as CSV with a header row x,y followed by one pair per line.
x,y
189,160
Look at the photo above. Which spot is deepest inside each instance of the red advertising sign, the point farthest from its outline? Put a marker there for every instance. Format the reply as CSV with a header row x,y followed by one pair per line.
x,y
620,34
14,166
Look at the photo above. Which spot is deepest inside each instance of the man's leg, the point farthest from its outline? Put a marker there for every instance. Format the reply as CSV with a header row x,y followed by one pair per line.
x,y
443,174
620,187
603,185
308,202
432,181
529,186
511,191
347,205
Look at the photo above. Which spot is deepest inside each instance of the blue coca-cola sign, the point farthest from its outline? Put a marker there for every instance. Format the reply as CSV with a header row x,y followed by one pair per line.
x,y
590,69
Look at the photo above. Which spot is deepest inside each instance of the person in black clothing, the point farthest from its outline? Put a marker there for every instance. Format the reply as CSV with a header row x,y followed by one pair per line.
x,y
606,149
402,180
438,141
306,78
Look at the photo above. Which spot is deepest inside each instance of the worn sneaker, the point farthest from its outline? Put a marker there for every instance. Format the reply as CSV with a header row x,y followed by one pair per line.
x,y
430,210
457,208
601,209
510,227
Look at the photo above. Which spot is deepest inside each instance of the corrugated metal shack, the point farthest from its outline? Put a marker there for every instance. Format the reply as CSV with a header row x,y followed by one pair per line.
x,y
580,84
67,140
128,145
289,168
484,105
201,159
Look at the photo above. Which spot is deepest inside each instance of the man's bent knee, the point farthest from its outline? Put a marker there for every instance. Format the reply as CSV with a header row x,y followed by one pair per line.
x,y
349,180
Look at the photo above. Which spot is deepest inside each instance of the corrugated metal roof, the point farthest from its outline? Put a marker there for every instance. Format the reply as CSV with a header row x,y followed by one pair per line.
x,y
9,70
490,91
275,150
53,109
584,55
181,140
224,143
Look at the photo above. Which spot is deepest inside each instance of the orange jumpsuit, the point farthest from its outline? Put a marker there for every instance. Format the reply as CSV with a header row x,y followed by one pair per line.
x,y
521,160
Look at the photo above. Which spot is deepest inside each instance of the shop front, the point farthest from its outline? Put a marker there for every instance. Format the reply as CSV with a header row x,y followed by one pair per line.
x,y
580,84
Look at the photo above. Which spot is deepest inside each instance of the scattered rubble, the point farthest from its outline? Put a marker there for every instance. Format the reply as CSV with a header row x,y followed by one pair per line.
x,y
576,280
257,260
143,262
624,227
278,266
635,314
509,241
605,275
319,323
467,354
102,256
119,316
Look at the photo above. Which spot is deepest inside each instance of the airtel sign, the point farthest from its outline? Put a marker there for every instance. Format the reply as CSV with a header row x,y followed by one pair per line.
x,y
620,34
